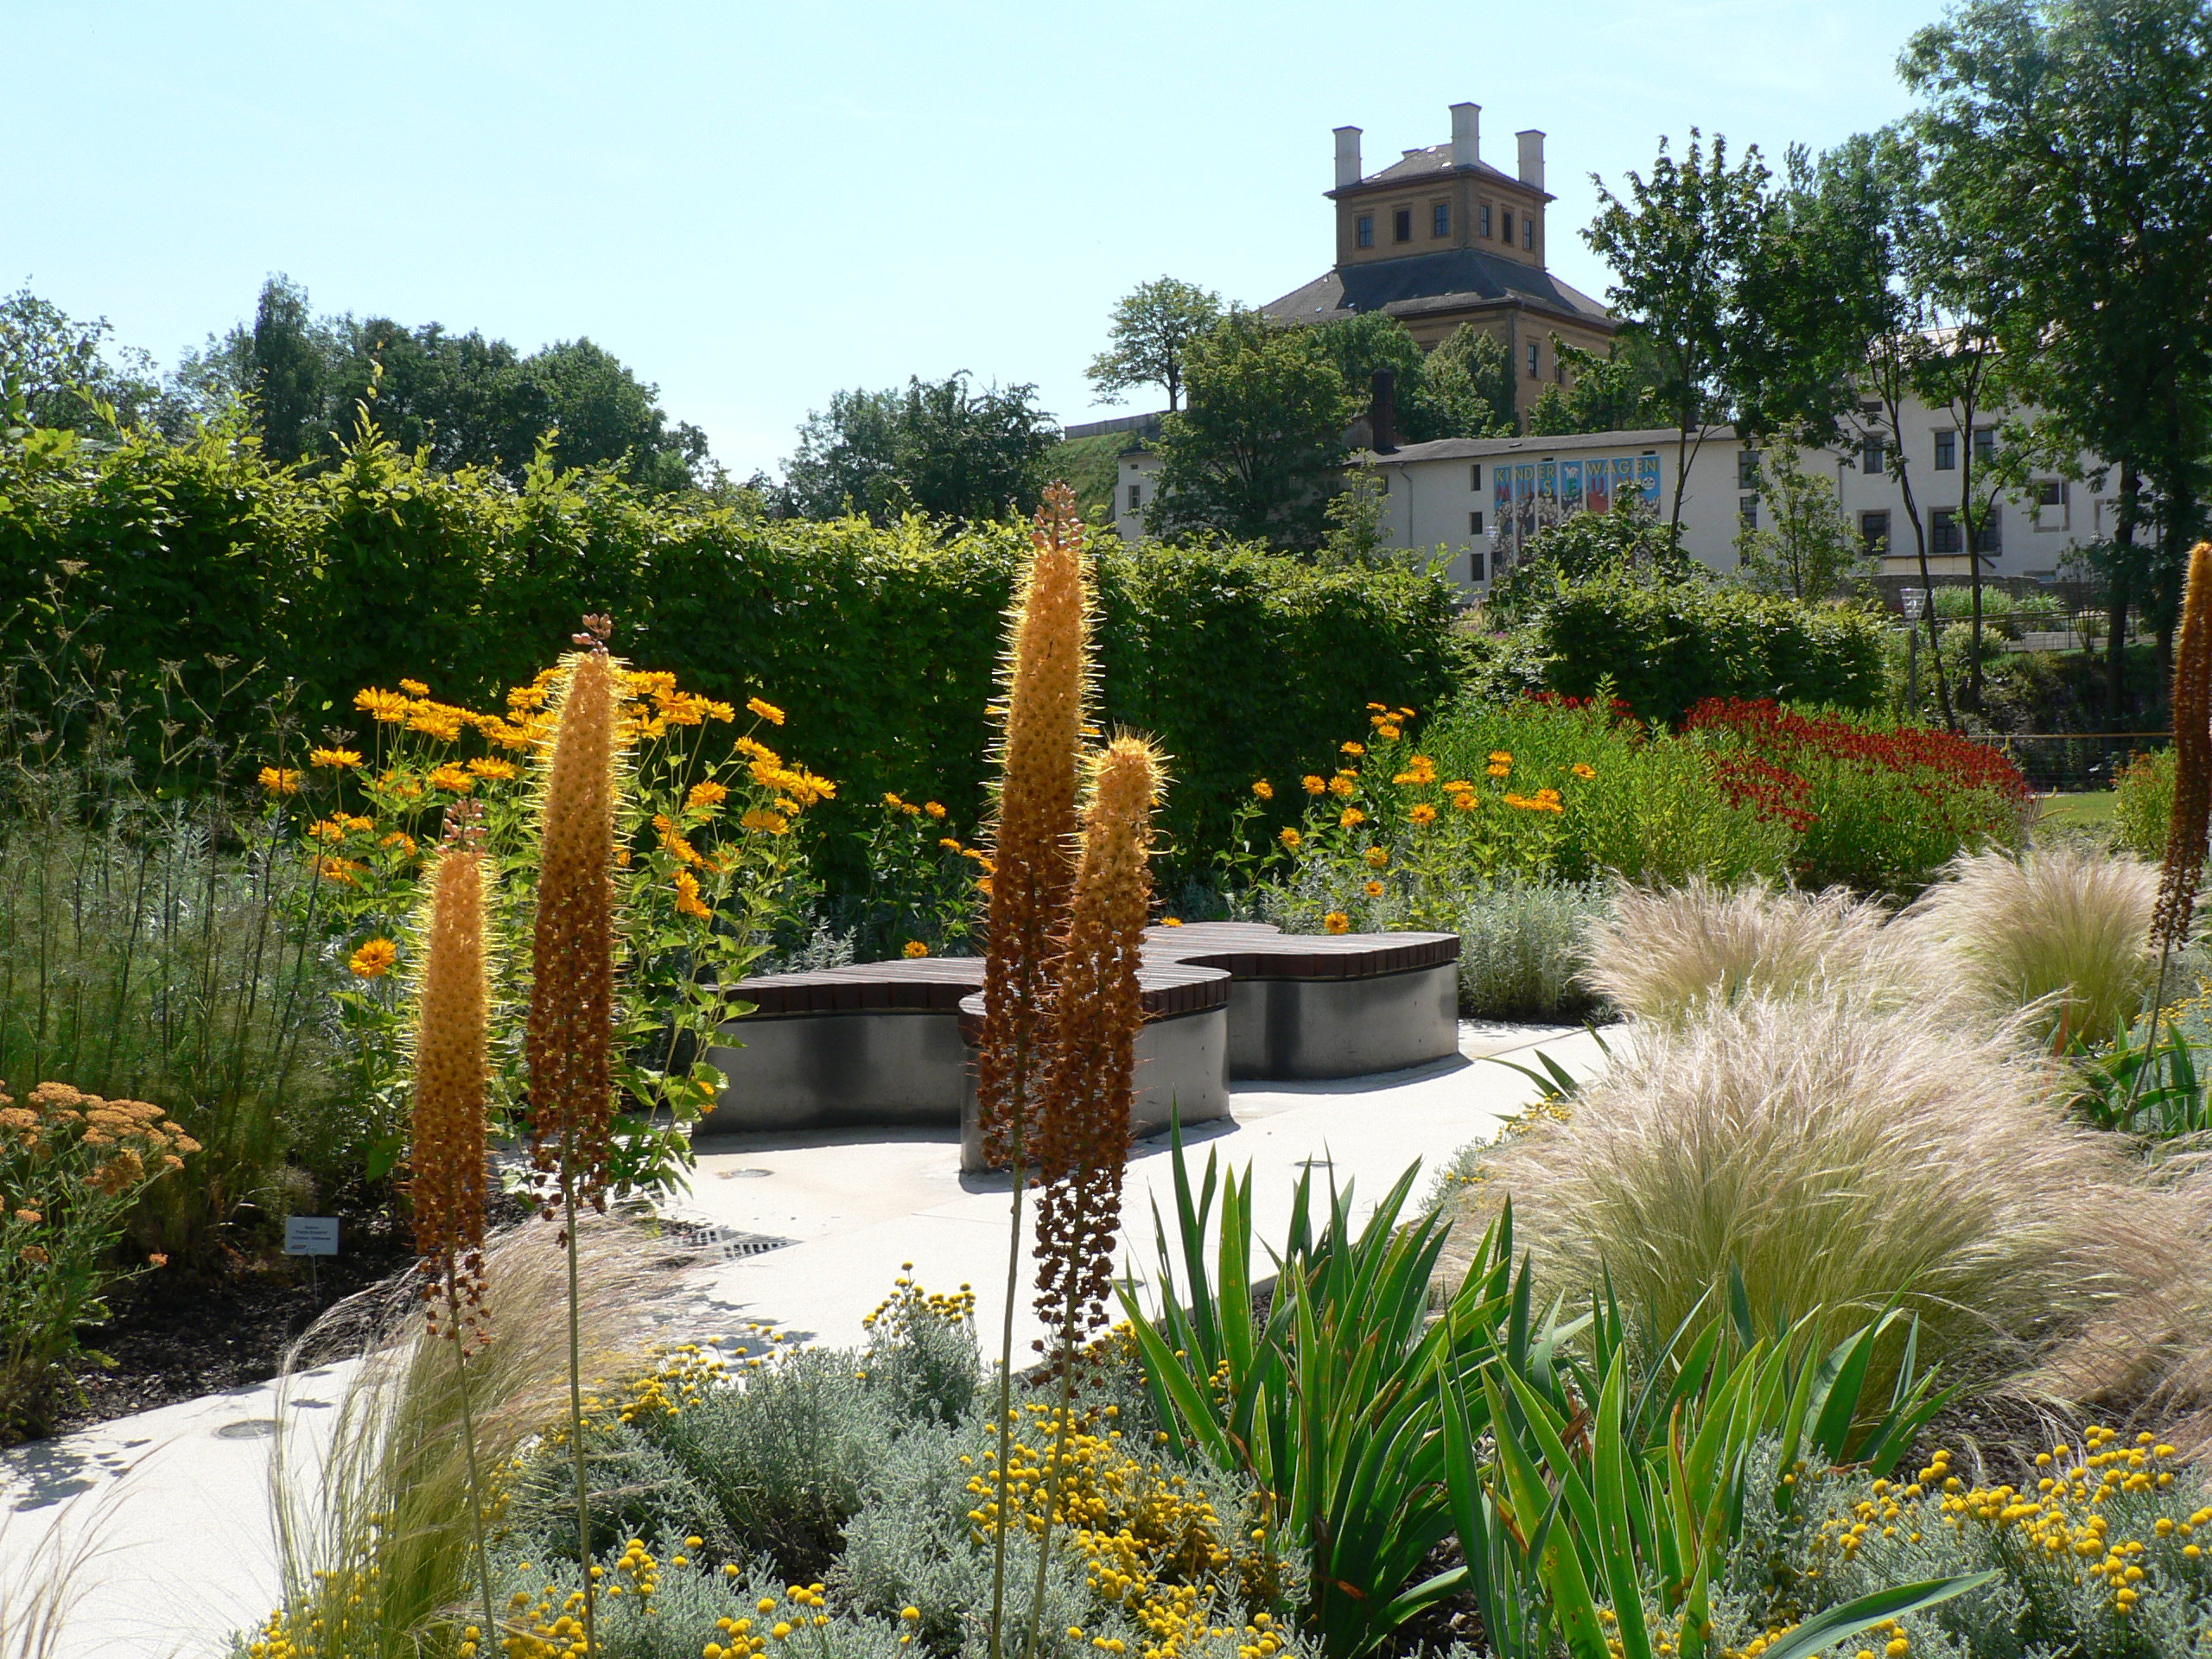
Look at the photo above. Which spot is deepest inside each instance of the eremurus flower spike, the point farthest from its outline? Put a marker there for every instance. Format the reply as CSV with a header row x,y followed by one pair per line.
x,y
2192,706
1032,876
452,1066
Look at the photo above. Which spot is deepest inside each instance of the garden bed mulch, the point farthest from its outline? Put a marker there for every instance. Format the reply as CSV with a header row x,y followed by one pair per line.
x,y
177,1335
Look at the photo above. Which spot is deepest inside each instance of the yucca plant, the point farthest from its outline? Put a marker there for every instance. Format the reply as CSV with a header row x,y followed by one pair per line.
x,y
1329,1404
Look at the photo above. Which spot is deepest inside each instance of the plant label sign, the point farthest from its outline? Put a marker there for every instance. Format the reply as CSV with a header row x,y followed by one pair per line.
x,y
311,1235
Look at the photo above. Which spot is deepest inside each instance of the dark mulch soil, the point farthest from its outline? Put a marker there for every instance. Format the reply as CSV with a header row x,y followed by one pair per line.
x,y
175,1335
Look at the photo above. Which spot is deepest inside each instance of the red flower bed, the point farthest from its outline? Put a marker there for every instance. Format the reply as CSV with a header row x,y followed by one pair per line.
x,y
1933,760
1876,806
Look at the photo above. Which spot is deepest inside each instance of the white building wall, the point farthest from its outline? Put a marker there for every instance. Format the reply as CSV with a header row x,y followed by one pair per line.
x,y
1433,492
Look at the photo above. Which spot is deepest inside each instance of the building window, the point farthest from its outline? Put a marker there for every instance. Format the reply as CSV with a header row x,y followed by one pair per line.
x,y
1440,218
1475,564
1984,446
1947,452
1870,457
1747,469
1874,531
1485,221
1385,477
1401,224
1987,538
2052,504
1136,497
1505,219
1528,231
1475,526
1474,478
1364,230
1747,511
1532,363
1943,530
1559,370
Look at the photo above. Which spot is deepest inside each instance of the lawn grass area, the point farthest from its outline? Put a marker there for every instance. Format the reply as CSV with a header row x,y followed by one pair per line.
x,y
2087,809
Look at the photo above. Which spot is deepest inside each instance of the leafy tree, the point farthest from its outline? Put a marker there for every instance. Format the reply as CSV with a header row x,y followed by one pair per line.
x,y
1355,536
55,372
1618,392
936,448
1683,253
1856,217
2068,147
1463,388
1466,387
1628,543
1154,325
1256,453
1807,548
467,400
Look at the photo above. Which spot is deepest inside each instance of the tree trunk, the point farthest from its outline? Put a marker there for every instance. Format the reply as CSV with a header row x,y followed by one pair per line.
x,y
2116,600
1926,587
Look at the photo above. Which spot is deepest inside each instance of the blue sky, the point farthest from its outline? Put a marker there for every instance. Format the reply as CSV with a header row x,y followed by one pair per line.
x,y
754,206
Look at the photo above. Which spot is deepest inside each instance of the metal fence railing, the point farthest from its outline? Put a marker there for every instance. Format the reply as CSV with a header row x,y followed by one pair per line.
x,y
2073,760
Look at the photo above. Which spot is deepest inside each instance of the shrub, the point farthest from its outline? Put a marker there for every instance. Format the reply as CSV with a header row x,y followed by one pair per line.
x,y
2065,927
2143,806
882,642
71,1167
1839,1157
1878,806
1665,649
1522,955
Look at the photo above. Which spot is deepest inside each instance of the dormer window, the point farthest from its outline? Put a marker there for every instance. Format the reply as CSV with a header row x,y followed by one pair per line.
x,y
1401,224
1364,230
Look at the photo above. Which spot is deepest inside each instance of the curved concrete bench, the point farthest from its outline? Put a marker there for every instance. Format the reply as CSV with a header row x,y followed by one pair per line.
x,y
1313,1006
893,1042
881,1042
1182,1053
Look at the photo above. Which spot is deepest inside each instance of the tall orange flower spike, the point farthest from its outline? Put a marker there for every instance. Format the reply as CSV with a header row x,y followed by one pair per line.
x,y
452,1062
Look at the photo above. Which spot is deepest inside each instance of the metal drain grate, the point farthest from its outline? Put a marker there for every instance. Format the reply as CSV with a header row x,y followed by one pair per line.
x,y
719,1243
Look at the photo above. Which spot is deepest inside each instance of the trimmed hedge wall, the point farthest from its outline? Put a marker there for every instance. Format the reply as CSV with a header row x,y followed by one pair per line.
x,y
882,644
1668,648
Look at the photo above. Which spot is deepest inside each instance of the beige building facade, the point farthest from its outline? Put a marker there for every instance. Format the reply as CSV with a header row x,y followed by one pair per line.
x,y
1440,238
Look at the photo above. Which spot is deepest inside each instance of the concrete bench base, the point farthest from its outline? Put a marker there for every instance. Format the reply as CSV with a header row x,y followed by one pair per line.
x,y
1182,1070
839,1069
1288,1029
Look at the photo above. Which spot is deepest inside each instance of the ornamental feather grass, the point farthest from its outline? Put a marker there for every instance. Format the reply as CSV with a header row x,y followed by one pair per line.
x,y
1838,1156
2065,928
374,1537
1664,953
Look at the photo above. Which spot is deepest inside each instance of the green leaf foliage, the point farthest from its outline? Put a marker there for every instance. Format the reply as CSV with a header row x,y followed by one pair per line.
x,y
882,642
1667,647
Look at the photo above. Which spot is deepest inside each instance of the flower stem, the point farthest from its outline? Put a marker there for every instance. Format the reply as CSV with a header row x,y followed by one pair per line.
x,y
1001,1517
576,1409
469,1448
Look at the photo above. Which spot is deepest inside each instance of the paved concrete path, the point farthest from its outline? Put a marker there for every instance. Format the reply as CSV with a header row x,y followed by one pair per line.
x,y
169,1508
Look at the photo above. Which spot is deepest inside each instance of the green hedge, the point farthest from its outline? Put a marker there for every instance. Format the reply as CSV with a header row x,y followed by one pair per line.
x,y
1668,647
882,644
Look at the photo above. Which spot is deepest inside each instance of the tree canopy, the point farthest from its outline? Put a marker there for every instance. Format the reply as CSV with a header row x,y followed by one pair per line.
x,y
1152,328
941,446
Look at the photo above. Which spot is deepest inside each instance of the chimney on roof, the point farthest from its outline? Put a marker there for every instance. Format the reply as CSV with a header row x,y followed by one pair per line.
x,y
1532,157
1383,411
1466,134
1347,156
